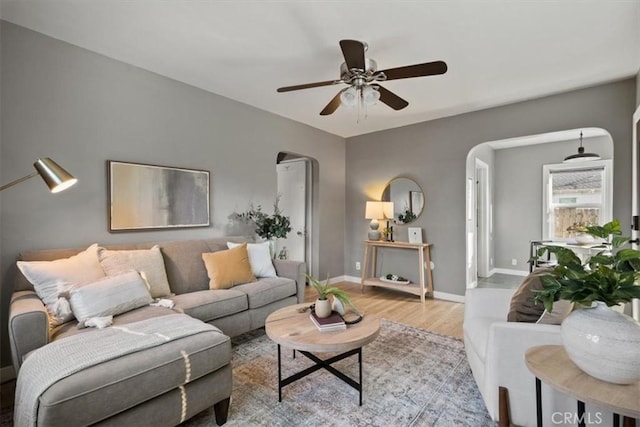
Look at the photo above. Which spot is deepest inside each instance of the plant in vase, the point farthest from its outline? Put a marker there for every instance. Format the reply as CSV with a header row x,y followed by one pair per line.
x,y
269,227
323,306
407,216
600,341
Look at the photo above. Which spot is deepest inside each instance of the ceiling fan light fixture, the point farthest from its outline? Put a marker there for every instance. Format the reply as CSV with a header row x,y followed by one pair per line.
x,y
370,96
581,156
349,97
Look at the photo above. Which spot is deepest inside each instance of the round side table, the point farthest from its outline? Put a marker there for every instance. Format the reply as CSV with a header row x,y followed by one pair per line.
x,y
551,364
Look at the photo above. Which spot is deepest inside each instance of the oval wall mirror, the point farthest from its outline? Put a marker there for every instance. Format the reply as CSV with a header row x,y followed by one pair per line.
x,y
407,198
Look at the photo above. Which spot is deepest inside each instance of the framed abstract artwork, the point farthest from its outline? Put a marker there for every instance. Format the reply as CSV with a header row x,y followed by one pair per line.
x,y
148,197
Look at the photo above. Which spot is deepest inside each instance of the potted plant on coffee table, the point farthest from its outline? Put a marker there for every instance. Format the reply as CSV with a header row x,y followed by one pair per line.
x,y
600,341
323,306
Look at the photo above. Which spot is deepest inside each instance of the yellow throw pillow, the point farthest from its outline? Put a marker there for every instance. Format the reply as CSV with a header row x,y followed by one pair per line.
x,y
228,268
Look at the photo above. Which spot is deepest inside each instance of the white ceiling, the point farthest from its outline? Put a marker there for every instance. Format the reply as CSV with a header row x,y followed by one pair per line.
x,y
498,52
546,138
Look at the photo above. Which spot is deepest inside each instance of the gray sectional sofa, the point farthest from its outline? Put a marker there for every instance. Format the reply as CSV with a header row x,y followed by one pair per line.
x,y
149,386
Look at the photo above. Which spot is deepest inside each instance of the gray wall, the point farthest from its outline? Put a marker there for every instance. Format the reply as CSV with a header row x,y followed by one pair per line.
x,y
518,194
434,154
81,108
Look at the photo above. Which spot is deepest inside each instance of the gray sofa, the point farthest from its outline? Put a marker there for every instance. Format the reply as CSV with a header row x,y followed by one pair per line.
x,y
150,385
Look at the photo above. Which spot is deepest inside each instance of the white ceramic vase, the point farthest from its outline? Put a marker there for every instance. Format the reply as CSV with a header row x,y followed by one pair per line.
x,y
272,248
603,343
584,238
323,308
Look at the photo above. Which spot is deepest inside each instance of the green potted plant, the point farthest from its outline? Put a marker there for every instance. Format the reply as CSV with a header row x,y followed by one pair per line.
x,y
600,341
407,216
323,304
269,227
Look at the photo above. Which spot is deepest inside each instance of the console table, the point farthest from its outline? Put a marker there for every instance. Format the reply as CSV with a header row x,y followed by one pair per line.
x,y
551,364
425,287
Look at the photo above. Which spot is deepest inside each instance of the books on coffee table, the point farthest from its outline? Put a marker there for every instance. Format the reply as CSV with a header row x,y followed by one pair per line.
x,y
332,323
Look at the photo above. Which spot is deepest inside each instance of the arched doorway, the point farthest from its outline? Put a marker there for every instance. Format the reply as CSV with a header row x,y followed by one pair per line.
x,y
297,192
504,215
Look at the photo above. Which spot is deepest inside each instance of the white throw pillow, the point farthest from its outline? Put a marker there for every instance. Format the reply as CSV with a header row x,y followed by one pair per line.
x,y
259,258
148,261
109,296
51,278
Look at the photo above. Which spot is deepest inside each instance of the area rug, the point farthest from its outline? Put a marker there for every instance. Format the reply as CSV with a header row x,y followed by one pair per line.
x,y
412,377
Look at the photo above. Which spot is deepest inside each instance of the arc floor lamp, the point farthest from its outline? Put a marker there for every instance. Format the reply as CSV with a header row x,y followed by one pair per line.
x,y
56,178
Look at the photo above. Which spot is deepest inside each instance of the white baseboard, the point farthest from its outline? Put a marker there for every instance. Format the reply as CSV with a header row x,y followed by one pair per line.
x,y
7,373
336,279
512,272
448,297
439,295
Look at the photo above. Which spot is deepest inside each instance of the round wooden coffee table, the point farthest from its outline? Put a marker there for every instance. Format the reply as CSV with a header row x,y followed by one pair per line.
x,y
292,329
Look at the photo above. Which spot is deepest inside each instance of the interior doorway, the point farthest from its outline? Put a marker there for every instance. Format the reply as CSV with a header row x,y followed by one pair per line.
x,y
635,196
295,192
505,209
482,220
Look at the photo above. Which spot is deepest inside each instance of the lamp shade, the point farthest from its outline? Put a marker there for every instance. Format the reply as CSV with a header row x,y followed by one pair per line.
x,y
349,96
374,210
370,96
56,178
581,156
387,210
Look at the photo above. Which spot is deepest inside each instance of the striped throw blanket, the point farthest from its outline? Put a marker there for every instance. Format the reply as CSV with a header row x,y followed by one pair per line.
x,y
59,359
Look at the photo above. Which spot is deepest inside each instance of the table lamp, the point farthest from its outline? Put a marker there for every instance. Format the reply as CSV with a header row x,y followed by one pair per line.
x,y
56,178
374,211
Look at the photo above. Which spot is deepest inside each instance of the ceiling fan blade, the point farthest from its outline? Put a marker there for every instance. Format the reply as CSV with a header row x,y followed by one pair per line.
x,y
353,52
332,106
391,99
418,70
308,85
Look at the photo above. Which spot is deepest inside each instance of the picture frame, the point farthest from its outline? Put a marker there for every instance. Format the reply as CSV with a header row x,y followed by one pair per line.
x,y
151,197
415,234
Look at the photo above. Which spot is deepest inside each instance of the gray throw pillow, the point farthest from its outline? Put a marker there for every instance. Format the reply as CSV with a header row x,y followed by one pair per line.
x,y
110,296
148,261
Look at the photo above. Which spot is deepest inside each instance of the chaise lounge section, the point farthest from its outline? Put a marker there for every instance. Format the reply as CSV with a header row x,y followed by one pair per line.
x,y
167,383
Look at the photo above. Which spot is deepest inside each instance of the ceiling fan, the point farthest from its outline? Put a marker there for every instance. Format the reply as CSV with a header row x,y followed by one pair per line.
x,y
362,76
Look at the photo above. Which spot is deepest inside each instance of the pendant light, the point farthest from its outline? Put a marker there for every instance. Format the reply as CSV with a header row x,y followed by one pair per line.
x,y
581,156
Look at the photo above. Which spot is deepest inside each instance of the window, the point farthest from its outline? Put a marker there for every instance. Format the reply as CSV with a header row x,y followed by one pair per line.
x,y
575,194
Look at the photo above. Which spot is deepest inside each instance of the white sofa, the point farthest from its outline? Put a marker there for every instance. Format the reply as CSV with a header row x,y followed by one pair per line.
x,y
495,349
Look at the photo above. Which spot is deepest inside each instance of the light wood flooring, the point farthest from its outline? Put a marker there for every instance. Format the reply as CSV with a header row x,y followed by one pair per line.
x,y
443,317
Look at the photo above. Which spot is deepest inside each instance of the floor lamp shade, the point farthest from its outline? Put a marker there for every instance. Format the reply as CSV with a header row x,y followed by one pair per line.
x,y
56,178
